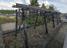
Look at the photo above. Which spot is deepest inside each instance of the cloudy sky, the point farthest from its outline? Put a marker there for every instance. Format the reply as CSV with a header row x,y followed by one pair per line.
x,y
60,5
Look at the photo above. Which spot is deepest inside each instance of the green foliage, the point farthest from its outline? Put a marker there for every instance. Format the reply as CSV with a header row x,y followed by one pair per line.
x,y
40,19
30,20
51,7
43,6
34,3
6,20
7,11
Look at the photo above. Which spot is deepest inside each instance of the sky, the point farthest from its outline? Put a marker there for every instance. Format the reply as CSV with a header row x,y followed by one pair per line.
x,y
60,5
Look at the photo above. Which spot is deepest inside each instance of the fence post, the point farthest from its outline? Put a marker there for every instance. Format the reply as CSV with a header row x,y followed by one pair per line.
x,y
36,19
16,27
35,22
45,24
53,21
20,18
16,23
57,20
25,33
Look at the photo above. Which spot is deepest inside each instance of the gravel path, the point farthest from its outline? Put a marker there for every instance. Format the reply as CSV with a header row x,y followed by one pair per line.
x,y
1,39
58,41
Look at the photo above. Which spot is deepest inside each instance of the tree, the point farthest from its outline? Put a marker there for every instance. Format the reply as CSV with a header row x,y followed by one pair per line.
x,y
34,3
43,6
51,7
7,11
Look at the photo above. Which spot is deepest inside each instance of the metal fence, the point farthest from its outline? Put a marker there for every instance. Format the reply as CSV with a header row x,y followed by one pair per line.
x,y
32,26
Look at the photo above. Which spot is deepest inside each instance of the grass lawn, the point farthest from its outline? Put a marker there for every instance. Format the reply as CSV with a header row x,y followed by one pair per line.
x,y
6,19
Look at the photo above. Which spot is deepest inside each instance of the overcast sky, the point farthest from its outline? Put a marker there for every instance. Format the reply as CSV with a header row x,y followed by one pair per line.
x,y
61,5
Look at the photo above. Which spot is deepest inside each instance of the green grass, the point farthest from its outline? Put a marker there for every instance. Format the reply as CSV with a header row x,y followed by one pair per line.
x,y
6,19
7,11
